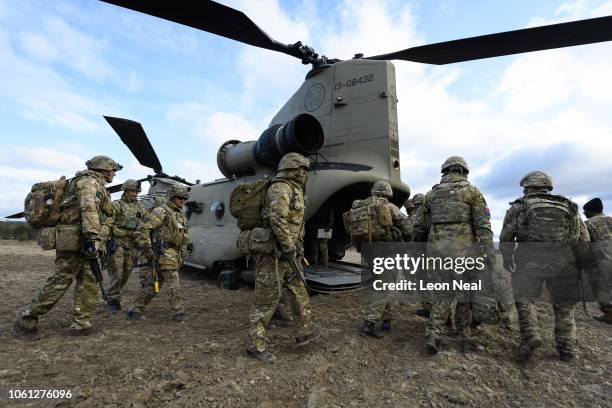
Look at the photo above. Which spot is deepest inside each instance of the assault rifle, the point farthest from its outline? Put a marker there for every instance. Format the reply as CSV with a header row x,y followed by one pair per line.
x,y
298,272
92,256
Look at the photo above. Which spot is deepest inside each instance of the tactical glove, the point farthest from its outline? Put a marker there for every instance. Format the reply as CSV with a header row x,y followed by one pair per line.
x,y
287,255
92,248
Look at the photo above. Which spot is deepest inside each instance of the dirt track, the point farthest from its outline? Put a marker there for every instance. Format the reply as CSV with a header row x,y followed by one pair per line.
x,y
202,362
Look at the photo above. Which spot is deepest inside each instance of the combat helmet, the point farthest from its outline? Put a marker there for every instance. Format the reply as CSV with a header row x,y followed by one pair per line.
x,y
293,161
131,184
103,163
418,199
382,188
537,179
177,190
455,161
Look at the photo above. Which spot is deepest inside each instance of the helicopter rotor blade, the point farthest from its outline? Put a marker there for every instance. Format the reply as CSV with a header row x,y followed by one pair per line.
x,y
16,216
135,138
547,37
212,17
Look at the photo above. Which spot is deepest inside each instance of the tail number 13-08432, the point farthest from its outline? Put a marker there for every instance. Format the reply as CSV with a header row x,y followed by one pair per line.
x,y
354,82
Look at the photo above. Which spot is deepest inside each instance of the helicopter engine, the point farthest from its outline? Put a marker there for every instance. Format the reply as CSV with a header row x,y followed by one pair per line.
x,y
302,134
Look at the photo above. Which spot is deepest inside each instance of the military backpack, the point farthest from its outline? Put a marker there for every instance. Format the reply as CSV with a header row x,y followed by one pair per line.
x,y
247,203
549,218
368,220
42,206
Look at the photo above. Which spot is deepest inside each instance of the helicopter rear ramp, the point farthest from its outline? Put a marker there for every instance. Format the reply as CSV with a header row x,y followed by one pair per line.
x,y
338,277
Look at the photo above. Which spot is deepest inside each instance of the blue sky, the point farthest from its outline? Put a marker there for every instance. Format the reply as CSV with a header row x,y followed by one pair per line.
x,y
64,64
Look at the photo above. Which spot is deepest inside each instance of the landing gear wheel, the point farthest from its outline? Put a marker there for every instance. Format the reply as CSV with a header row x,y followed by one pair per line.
x,y
228,279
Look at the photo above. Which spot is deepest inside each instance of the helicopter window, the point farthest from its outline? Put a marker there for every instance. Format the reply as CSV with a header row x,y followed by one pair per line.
x,y
218,209
396,164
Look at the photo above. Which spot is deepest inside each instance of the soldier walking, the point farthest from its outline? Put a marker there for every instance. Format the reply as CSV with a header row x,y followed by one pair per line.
x,y
545,227
394,228
283,215
128,217
168,225
84,209
599,267
459,218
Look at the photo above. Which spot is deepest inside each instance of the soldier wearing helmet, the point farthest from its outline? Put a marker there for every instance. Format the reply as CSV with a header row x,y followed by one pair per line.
x,y
283,216
85,207
167,226
534,241
393,226
599,265
454,215
129,215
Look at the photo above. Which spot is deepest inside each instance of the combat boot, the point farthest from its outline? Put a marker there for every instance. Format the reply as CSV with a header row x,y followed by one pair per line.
x,y
22,332
370,329
526,348
179,317
114,306
263,356
309,338
471,345
76,330
568,356
386,325
432,344
133,315
605,318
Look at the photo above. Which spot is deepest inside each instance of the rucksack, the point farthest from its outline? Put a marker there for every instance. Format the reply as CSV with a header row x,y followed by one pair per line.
x,y
368,220
247,203
550,218
42,206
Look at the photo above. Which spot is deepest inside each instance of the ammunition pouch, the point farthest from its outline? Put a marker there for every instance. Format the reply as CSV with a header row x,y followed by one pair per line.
x,y
243,242
46,238
261,241
68,238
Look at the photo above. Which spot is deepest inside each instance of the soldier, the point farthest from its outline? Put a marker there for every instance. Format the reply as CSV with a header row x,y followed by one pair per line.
x,y
536,218
319,233
414,206
283,215
599,268
128,217
459,217
84,208
399,231
168,224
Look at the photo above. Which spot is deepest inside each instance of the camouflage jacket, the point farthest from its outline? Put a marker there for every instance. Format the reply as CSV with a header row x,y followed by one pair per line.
x,y
170,225
88,203
284,213
600,231
127,219
512,229
420,234
454,213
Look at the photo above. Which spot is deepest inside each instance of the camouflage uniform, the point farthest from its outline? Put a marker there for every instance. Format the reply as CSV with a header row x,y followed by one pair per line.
x,y
169,224
554,267
284,214
86,204
382,309
420,236
599,268
129,215
459,217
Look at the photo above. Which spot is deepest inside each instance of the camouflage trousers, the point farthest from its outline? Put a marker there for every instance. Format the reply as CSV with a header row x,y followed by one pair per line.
x,y
527,286
270,281
119,268
168,278
600,280
69,267
379,309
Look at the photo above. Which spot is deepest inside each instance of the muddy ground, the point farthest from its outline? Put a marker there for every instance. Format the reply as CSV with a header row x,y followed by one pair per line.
x,y
202,362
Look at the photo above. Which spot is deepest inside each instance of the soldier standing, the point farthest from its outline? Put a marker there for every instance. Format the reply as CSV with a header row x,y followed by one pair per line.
x,y
283,214
128,217
413,206
399,230
84,209
459,218
168,225
544,226
599,268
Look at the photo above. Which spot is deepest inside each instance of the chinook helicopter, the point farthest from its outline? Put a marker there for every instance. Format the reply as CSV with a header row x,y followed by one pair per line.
x,y
343,117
